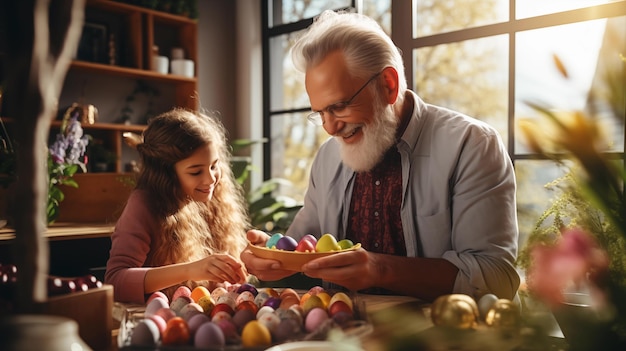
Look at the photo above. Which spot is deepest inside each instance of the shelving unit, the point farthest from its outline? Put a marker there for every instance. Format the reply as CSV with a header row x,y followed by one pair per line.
x,y
114,55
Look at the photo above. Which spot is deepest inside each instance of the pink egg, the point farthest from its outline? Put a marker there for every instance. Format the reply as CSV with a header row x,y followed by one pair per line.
x,y
160,322
316,289
158,294
310,238
155,305
166,313
209,335
181,291
314,319
145,333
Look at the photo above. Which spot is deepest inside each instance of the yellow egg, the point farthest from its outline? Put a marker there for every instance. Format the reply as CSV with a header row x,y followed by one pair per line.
x,y
311,303
255,334
340,296
325,297
327,243
207,304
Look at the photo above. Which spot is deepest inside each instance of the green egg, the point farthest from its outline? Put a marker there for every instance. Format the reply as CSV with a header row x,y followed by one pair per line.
x,y
345,244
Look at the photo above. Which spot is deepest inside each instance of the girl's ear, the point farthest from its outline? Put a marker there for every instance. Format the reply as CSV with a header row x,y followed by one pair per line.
x,y
390,78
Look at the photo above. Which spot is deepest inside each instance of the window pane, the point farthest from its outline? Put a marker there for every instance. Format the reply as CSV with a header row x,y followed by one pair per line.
x,y
436,16
287,84
469,76
533,197
294,144
590,52
529,8
288,11
380,11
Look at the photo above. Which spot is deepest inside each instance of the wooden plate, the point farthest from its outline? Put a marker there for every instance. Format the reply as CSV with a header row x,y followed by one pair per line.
x,y
293,260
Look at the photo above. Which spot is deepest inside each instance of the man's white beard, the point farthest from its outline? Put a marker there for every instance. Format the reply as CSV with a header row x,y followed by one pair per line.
x,y
378,137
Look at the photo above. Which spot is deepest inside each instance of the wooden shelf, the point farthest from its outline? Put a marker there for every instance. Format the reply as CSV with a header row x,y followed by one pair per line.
x,y
135,73
66,231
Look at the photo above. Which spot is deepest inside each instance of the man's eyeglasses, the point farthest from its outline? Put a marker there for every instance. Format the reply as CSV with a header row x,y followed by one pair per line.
x,y
338,110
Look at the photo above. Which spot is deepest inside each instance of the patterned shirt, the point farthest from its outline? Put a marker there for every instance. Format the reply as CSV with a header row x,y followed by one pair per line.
x,y
375,207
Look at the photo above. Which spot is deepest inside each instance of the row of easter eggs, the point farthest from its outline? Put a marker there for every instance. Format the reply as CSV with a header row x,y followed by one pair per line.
x,y
308,243
241,314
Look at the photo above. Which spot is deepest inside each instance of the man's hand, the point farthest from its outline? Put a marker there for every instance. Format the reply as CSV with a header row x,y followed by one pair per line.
x,y
263,269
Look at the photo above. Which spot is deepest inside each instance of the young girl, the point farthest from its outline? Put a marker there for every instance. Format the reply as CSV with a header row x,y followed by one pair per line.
x,y
185,221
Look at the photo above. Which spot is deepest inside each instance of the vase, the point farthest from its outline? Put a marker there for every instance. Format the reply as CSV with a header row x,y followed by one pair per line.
x,y
582,325
40,332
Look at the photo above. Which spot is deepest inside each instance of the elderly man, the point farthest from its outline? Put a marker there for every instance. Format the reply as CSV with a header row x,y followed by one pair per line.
x,y
428,192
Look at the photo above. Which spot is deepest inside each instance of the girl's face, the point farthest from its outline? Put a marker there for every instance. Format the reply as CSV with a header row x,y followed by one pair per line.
x,y
199,173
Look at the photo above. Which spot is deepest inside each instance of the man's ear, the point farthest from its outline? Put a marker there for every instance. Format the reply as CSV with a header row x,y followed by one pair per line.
x,y
390,77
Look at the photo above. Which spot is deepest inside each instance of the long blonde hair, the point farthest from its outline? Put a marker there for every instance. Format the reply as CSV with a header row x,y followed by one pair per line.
x,y
190,230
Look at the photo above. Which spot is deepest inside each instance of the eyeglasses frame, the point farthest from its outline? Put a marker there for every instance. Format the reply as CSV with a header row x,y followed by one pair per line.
x,y
315,117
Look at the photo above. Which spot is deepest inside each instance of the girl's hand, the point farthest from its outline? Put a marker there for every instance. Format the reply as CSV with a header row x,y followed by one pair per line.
x,y
218,268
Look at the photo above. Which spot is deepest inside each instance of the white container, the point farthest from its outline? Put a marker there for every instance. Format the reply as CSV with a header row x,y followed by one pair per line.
x,y
183,68
160,64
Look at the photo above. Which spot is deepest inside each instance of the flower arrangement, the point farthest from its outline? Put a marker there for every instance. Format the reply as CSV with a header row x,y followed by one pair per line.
x,y
65,157
579,242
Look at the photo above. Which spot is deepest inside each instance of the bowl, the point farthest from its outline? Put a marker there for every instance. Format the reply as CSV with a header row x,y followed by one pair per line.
x,y
293,260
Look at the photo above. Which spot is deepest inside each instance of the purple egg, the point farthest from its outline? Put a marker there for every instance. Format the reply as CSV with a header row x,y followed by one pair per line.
x,y
209,335
273,302
196,321
286,243
145,333
247,287
342,317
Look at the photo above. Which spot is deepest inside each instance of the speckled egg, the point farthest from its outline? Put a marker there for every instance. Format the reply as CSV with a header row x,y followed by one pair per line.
x,y
207,304
217,292
209,335
190,310
221,315
166,313
226,299
180,302
244,296
270,320
260,298
263,310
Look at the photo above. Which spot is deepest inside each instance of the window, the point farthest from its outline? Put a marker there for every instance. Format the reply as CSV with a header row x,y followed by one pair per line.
x,y
485,58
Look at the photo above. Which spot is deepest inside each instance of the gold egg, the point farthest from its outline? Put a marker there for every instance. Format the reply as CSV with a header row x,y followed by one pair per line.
x,y
455,310
504,314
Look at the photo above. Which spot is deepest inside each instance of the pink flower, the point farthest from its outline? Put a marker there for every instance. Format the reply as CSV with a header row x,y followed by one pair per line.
x,y
574,260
